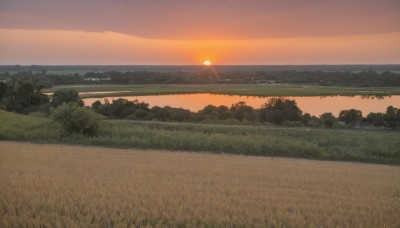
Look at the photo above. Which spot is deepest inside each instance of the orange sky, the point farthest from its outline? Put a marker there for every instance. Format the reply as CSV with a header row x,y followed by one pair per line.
x,y
74,47
178,32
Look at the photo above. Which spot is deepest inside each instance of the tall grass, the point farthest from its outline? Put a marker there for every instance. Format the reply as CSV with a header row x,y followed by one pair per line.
x,y
346,145
27,128
349,145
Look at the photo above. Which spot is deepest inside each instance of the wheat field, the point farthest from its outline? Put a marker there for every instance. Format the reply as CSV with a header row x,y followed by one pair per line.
x,y
75,186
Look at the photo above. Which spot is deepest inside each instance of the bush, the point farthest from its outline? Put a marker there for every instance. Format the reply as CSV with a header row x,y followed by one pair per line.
x,y
377,119
76,119
306,118
351,116
328,119
64,96
278,110
392,118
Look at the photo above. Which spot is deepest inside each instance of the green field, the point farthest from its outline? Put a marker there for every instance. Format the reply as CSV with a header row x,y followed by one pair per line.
x,y
244,90
262,140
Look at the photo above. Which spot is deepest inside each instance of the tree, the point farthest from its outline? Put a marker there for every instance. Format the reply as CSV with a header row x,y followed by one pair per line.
x,y
3,88
351,116
327,119
119,108
160,113
377,119
277,110
96,105
77,119
208,112
65,96
179,114
123,108
306,118
22,96
241,111
392,117
223,112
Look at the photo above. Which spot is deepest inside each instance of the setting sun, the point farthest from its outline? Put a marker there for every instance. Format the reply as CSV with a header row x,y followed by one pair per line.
x,y
207,63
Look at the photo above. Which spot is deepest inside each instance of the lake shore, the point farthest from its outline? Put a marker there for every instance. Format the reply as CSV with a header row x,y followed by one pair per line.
x,y
314,105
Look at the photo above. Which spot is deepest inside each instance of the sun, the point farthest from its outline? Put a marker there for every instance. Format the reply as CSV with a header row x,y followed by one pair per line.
x,y
207,62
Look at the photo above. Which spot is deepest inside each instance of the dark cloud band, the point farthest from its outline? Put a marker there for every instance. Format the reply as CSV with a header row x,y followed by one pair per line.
x,y
206,19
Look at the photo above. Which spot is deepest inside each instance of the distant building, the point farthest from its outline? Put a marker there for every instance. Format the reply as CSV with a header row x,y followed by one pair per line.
x,y
97,79
92,79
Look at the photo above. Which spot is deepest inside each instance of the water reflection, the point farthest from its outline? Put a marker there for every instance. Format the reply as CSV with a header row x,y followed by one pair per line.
x,y
379,97
312,105
95,92
373,97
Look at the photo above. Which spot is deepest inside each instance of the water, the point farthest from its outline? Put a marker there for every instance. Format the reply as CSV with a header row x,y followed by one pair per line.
x,y
312,105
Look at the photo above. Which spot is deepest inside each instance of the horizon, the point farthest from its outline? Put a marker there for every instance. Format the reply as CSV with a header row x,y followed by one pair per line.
x,y
394,68
200,64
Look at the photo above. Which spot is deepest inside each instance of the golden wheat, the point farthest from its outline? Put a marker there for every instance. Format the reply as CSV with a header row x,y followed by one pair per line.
x,y
75,186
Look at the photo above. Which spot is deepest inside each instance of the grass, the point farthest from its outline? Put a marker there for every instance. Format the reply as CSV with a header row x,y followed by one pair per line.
x,y
323,144
27,128
244,90
73,186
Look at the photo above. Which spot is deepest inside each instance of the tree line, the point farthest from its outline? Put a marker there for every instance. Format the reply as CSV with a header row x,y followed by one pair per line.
x,y
210,76
276,110
65,107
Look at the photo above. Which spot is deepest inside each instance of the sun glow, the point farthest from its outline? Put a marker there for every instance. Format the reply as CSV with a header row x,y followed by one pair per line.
x,y
207,62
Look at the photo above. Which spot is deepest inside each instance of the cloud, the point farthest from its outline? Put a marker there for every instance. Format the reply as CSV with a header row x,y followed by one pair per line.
x,y
206,19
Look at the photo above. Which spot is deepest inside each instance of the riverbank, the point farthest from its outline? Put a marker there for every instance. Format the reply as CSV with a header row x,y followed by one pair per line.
x,y
243,90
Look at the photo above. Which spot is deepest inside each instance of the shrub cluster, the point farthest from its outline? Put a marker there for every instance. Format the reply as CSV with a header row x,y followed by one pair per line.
x,y
76,119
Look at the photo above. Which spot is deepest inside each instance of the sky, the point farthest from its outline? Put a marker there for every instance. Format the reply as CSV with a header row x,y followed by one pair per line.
x,y
163,32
